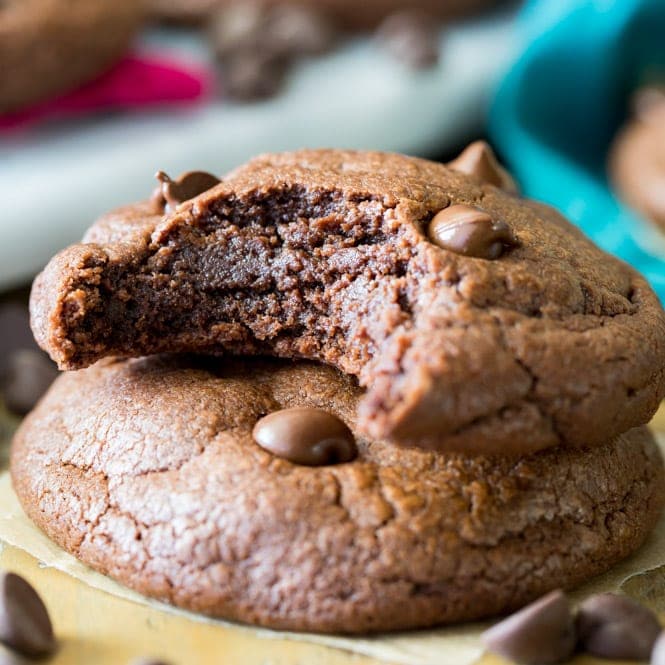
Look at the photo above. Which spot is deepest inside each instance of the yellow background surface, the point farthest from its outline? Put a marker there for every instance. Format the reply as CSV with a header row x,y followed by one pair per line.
x,y
94,627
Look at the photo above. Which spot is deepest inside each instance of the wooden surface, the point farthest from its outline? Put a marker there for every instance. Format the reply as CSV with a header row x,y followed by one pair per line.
x,y
94,627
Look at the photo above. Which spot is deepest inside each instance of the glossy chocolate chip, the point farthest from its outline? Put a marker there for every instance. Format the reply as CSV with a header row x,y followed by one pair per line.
x,y
616,627
539,634
26,377
478,160
411,37
658,652
183,188
470,231
25,625
307,436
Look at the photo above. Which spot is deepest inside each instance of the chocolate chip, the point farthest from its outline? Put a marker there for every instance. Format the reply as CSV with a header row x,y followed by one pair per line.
x,y
308,436
26,377
616,627
658,653
185,187
470,231
479,160
540,633
411,37
149,661
24,621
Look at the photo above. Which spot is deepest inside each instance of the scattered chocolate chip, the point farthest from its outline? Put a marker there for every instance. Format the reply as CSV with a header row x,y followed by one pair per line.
x,y
470,231
25,625
616,627
149,661
539,634
479,160
658,653
411,37
308,436
185,187
26,377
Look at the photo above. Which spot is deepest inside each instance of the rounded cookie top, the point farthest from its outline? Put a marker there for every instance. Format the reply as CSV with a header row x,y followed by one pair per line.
x,y
175,498
50,46
476,320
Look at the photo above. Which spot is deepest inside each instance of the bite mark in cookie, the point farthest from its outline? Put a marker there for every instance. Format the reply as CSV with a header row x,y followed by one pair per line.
x,y
325,255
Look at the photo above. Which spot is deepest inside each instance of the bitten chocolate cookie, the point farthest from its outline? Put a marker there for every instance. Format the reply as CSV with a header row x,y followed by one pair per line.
x,y
352,14
476,320
637,157
171,474
50,46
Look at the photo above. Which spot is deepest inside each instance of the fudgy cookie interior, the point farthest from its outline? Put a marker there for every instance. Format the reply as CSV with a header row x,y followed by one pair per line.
x,y
549,342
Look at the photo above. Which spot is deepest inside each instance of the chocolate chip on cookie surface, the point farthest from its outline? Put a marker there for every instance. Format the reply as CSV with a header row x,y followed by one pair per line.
x,y
542,340
174,498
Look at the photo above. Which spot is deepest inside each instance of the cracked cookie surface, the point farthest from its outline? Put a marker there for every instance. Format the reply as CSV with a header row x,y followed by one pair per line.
x,y
325,255
146,470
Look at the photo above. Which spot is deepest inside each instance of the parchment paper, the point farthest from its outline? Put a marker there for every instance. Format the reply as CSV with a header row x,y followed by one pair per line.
x,y
642,576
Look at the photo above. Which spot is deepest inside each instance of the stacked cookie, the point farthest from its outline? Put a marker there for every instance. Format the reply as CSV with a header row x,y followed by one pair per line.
x,y
345,391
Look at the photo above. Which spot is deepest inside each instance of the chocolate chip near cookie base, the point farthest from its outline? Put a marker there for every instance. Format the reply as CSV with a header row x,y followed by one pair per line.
x,y
325,255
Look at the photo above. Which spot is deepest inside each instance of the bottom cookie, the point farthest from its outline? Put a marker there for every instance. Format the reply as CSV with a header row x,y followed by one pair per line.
x,y
147,471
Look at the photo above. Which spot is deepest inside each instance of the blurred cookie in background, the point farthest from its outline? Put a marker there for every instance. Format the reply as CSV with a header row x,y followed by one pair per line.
x,y
257,41
348,13
637,156
255,44
51,46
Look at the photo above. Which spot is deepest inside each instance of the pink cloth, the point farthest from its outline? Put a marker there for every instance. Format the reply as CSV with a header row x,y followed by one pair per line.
x,y
136,82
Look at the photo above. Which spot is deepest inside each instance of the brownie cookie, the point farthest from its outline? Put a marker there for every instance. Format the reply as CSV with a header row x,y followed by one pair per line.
x,y
637,157
476,320
147,470
50,46
348,13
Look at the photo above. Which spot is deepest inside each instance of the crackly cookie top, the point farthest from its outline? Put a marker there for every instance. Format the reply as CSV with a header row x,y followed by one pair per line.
x,y
152,470
476,320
